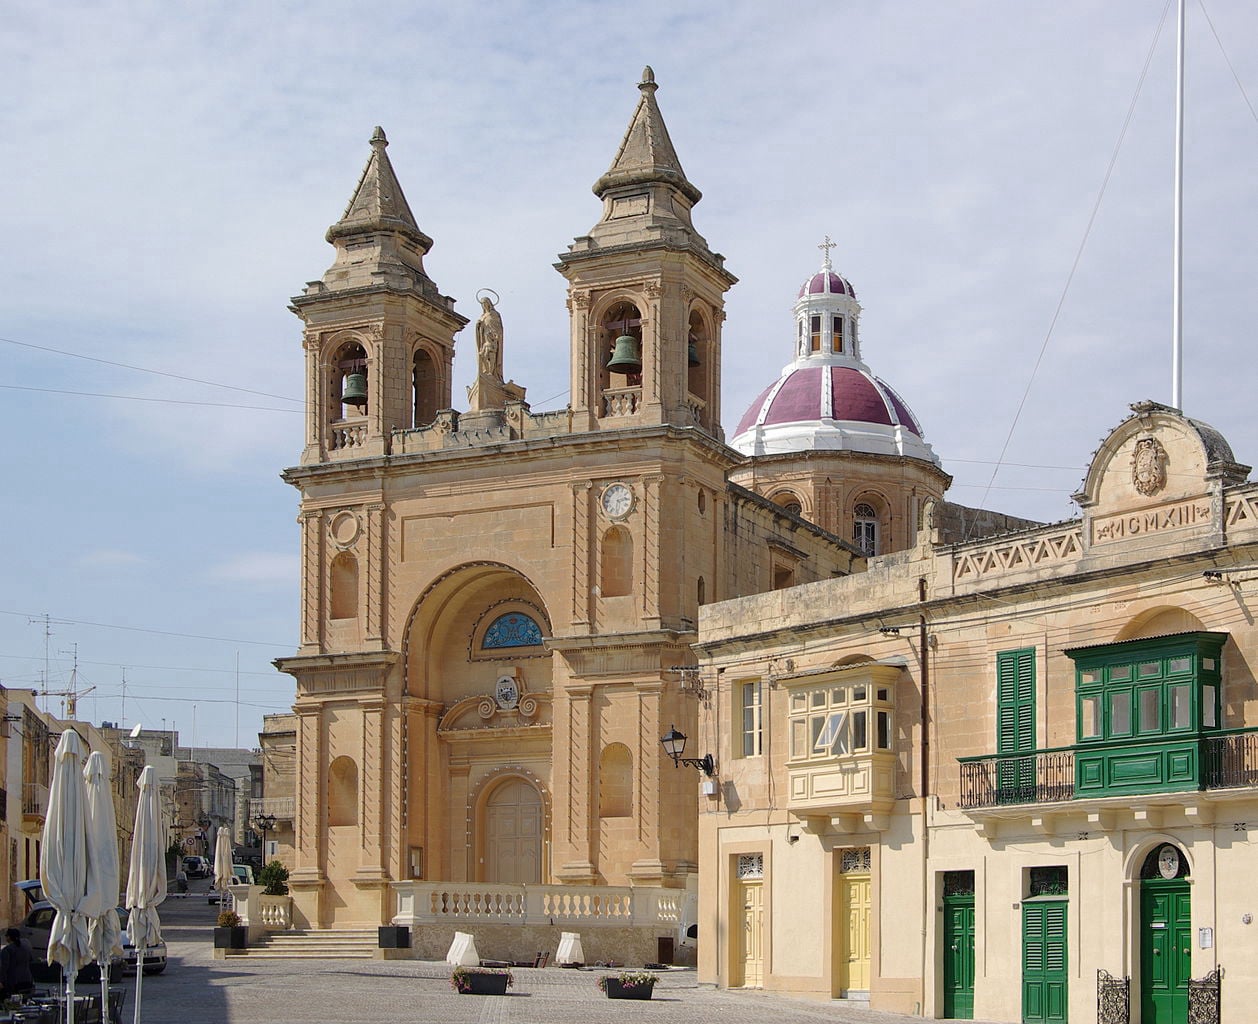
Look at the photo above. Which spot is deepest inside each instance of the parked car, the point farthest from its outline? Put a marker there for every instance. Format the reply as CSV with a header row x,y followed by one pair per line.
x,y
243,875
197,867
37,926
154,956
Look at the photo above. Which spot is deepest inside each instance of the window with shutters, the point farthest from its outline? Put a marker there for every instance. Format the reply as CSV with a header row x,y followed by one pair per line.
x,y
1015,725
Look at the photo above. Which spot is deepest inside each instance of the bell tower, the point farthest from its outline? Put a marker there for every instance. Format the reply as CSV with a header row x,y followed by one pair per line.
x,y
379,335
645,293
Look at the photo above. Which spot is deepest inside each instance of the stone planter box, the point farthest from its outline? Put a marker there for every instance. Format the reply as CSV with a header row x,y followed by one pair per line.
x,y
485,985
615,990
393,937
234,937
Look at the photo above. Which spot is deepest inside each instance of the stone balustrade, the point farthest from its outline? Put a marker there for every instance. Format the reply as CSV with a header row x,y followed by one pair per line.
x,y
419,903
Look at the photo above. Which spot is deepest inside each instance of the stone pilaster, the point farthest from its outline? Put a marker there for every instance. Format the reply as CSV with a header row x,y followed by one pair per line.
x,y
581,555
376,560
375,794
311,572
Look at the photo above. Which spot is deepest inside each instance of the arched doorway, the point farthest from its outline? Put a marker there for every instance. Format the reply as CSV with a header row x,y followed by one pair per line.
x,y
514,825
1165,936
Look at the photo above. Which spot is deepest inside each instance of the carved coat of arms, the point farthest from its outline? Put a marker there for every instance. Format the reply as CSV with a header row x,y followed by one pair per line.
x,y
1148,466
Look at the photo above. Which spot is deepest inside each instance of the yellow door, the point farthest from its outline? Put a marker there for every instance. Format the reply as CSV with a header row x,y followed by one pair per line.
x,y
853,928
513,826
752,959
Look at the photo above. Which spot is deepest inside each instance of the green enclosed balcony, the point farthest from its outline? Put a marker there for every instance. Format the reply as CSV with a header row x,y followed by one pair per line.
x,y
1147,722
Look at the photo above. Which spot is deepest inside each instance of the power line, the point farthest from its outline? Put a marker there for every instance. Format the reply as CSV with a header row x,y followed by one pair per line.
x,y
138,398
1087,232
146,369
155,632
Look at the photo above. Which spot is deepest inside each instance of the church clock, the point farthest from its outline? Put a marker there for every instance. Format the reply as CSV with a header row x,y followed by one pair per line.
x,y
617,501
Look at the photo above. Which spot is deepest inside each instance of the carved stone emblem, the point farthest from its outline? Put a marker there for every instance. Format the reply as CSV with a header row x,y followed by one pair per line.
x,y
1148,466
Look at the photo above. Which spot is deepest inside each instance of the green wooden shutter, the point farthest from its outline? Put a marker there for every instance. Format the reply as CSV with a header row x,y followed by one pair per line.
x,y
1015,700
1015,725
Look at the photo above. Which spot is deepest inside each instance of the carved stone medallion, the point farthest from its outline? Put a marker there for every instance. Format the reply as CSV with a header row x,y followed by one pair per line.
x,y
1148,466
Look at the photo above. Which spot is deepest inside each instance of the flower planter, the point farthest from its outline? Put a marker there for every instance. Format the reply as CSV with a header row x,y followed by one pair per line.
x,y
485,985
234,937
642,990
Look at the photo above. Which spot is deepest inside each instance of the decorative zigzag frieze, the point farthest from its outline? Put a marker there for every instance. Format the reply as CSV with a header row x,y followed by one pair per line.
x,y
1241,511
1018,555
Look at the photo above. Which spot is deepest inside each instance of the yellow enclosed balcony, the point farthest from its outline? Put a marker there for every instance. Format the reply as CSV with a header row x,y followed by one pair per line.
x,y
842,761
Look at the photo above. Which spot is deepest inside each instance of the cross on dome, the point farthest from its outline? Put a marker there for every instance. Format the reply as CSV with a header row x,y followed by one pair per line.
x,y
827,245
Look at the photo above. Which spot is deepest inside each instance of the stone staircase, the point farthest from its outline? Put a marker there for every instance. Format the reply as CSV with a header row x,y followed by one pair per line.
x,y
329,943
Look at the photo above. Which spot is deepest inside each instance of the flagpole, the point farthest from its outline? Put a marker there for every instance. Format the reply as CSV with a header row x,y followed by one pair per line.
x,y
1177,290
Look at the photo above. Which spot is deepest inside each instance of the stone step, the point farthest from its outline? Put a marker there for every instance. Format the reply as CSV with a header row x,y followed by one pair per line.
x,y
338,943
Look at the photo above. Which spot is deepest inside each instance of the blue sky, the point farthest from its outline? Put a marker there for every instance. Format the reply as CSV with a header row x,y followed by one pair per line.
x,y
170,169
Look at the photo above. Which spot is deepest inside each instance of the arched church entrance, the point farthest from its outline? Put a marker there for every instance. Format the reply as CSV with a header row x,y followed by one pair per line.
x,y
514,824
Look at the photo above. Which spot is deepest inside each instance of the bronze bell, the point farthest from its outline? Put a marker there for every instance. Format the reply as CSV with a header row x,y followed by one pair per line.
x,y
355,392
625,356
692,354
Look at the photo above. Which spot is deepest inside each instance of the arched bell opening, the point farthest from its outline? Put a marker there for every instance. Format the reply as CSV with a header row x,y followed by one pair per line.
x,y
699,367
620,363
425,388
348,390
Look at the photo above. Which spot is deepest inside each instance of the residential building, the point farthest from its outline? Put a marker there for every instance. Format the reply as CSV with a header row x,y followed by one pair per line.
x,y
967,780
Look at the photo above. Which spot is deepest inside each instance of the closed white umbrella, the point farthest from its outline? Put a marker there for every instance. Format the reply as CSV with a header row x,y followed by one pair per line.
x,y
223,876
146,879
63,864
104,932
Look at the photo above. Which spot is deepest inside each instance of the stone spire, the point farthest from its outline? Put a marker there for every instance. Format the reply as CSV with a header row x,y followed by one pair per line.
x,y
646,153
378,243
378,203
646,195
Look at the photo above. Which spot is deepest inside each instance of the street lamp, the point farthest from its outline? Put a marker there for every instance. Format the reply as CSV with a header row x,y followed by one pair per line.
x,y
264,823
675,745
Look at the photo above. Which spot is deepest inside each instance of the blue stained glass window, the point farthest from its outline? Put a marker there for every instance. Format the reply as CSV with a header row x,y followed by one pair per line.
x,y
512,630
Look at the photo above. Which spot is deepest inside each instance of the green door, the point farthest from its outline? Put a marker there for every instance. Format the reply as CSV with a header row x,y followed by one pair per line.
x,y
959,957
1044,986
1165,950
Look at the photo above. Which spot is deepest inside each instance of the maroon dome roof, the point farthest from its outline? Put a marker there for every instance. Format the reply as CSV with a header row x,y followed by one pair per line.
x,y
856,397
826,281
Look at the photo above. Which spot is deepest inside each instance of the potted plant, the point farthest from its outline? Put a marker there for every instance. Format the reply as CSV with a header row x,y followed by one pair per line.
x,y
481,981
274,904
229,933
628,984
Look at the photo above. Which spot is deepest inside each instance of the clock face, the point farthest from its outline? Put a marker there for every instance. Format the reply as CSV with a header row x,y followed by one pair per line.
x,y
617,500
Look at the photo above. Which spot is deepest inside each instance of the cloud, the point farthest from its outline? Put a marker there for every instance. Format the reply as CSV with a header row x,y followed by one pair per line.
x,y
111,558
266,568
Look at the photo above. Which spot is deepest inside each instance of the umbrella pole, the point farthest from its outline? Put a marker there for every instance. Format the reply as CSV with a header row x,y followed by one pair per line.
x,y
104,993
139,979
70,995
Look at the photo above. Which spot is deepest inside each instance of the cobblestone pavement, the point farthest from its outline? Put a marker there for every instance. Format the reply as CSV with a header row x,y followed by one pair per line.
x,y
197,989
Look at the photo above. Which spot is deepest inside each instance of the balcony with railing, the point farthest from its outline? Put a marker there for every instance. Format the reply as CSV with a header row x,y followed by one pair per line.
x,y
34,801
1222,760
282,808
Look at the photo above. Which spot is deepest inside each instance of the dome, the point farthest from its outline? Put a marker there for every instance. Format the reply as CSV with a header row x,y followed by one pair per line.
x,y
826,282
827,398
